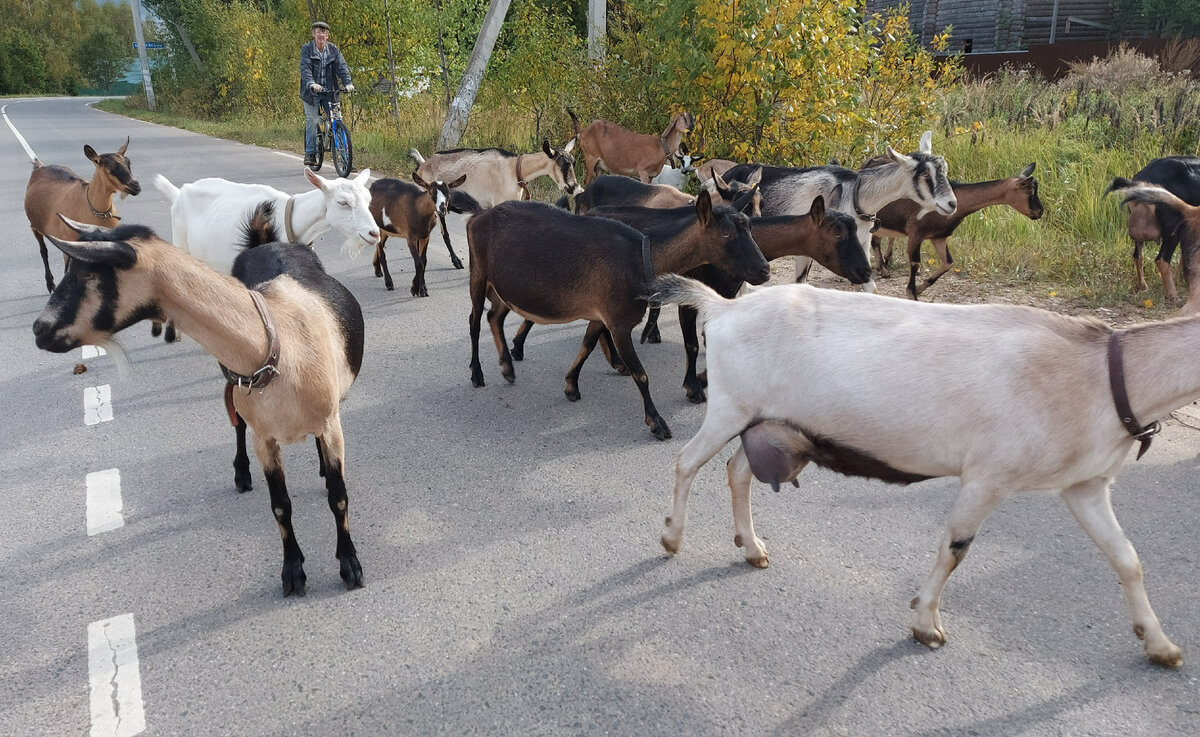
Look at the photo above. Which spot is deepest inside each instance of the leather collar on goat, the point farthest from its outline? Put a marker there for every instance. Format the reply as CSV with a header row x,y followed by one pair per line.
x,y
287,219
521,180
87,197
1116,382
858,211
662,141
265,373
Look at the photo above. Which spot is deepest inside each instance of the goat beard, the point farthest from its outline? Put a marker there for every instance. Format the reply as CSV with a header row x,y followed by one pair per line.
x,y
353,246
113,347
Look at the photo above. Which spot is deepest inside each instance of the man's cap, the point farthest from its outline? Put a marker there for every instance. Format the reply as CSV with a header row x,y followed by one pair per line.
x,y
321,24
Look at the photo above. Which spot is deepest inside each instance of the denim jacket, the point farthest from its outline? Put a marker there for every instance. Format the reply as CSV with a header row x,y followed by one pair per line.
x,y
312,70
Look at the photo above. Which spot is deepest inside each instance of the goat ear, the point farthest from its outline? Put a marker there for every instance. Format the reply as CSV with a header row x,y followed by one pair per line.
x,y
900,158
90,152
1028,171
108,253
546,148
756,177
817,211
457,182
124,146
318,182
704,209
926,144
420,182
363,178
569,147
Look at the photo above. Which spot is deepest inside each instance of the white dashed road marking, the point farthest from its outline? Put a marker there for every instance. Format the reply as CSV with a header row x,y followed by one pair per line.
x,y
116,683
97,405
104,501
20,138
91,351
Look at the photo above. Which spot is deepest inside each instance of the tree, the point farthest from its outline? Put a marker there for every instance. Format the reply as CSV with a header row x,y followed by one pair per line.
x,y
460,106
1170,16
22,66
101,58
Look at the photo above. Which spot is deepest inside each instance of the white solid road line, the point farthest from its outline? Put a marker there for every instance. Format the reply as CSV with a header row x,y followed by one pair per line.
x,y
17,133
97,405
104,501
114,678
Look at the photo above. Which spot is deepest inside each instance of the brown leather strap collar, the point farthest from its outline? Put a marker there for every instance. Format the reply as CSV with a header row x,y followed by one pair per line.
x,y
270,367
1116,382
525,195
662,140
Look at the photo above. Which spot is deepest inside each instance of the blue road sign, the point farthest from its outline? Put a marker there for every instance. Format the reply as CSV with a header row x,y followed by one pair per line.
x,y
152,45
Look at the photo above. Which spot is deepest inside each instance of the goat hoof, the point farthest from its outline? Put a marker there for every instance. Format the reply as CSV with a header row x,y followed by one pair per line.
x,y
242,480
621,369
517,353
1171,657
155,329
572,393
757,562
696,395
932,639
420,291
651,335
506,370
50,286
659,428
352,574
477,377
390,287
294,580
671,545
169,334
458,264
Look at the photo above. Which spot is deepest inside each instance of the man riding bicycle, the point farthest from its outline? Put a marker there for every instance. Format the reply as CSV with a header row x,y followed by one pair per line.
x,y
321,67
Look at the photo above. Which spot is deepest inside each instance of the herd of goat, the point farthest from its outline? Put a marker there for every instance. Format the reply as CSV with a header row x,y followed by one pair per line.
x,y
1028,400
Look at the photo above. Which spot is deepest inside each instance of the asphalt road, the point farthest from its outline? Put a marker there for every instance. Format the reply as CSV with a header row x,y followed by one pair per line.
x,y
509,538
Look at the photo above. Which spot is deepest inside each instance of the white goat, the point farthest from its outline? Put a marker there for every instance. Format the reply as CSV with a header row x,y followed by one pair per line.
x,y
677,178
207,215
1024,403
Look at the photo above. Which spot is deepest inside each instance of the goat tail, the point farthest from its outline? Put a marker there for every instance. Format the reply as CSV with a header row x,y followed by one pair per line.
x,y
1118,183
680,290
416,156
1150,194
260,227
164,185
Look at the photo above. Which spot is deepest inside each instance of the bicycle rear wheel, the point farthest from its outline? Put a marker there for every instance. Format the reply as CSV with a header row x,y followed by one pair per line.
x,y
343,152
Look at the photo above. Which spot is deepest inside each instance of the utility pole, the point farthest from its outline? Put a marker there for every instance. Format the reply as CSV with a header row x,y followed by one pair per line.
x,y
460,106
597,23
136,7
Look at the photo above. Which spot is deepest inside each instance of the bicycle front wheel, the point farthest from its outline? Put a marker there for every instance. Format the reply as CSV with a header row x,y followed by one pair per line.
x,y
343,152
321,148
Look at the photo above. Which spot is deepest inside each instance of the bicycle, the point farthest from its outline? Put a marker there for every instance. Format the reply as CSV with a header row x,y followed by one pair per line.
x,y
334,137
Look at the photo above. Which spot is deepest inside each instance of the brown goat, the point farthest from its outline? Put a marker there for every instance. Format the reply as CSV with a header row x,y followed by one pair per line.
x,y
410,211
713,167
56,189
609,147
903,219
554,267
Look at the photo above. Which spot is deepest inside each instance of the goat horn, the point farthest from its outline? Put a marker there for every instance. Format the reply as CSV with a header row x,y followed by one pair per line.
x,y
111,253
79,227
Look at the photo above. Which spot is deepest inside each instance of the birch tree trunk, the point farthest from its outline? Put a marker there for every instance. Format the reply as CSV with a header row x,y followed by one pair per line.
x,y
460,106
